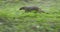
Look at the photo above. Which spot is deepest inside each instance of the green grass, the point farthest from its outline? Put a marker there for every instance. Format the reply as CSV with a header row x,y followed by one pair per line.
x,y
14,20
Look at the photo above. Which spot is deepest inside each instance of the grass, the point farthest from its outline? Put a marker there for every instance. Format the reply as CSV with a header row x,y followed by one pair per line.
x,y
14,20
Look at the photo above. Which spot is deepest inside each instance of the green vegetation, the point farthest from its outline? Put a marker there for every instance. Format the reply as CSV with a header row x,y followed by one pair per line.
x,y
14,20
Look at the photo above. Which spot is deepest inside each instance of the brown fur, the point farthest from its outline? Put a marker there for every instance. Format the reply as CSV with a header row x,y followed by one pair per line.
x,y
31,8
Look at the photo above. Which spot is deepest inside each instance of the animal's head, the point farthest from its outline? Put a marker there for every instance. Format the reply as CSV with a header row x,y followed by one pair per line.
x,y
22,8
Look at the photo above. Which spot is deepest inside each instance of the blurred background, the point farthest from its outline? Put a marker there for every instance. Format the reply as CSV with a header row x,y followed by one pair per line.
x,y
14,20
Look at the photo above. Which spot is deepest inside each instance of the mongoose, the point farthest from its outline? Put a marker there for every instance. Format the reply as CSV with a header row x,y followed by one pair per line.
x,y
31,8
